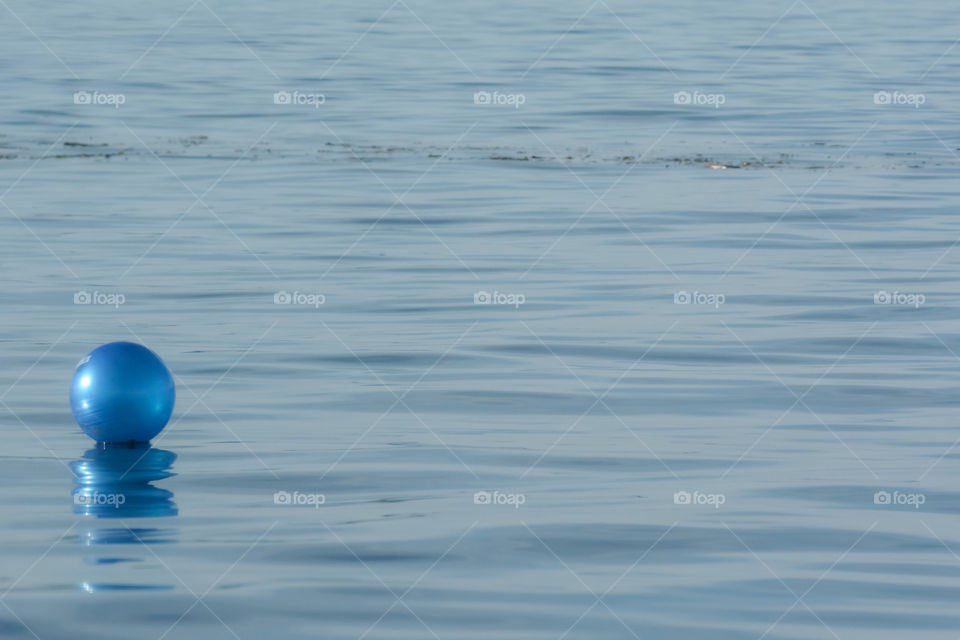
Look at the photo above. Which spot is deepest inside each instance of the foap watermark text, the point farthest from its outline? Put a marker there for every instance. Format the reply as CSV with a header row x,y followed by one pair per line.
x,y
899,298
699,99
899,98
95,97
99,298
97,499
698,498
498,297
299,499
496,498
499,99
899,499
299,298
299,98
699,297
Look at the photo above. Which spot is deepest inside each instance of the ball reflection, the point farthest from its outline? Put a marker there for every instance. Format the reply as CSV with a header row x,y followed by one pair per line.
x,y
114,481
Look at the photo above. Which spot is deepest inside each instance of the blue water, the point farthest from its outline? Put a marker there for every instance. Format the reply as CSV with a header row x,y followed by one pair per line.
x,y
435,373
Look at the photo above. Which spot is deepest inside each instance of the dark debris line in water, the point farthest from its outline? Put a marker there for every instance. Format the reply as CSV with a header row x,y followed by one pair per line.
x,y
348,152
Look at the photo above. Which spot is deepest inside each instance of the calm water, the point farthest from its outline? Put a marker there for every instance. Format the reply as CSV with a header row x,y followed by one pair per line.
x,y
584,456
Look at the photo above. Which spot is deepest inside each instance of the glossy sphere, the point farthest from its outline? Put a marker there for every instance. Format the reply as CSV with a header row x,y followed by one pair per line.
x,y
122,392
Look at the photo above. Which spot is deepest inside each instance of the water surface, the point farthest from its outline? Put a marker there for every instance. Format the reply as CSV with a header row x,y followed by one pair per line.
x,y
315,275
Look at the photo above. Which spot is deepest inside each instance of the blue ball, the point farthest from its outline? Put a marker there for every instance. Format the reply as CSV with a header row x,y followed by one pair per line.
x,y
122,392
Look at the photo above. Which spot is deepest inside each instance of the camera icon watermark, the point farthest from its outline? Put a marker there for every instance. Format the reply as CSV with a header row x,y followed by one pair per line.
x,y
898,298
896,498
97,499
699,99
497,498
299,98
700,298
696,498
899,98
297,498
99,298
499,99
95,97
497,297
299,298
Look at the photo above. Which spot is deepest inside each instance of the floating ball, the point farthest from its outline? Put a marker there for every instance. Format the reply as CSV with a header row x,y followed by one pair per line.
x,y
122,392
